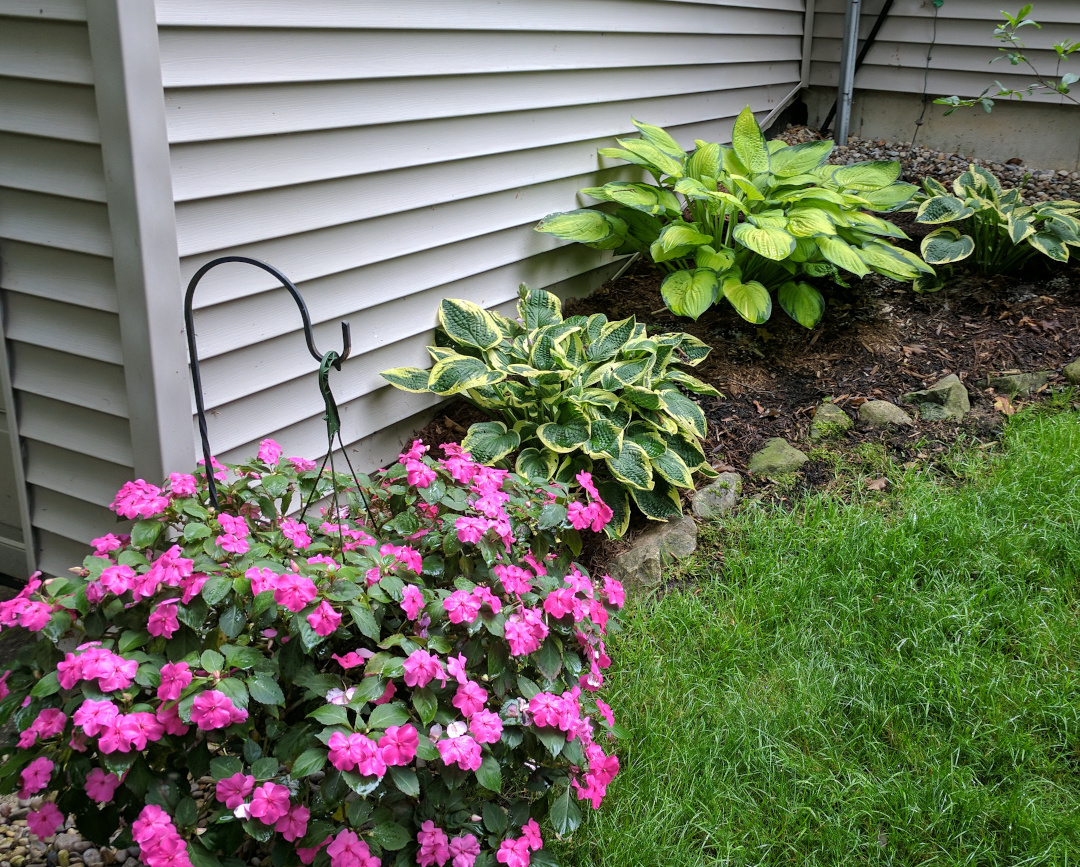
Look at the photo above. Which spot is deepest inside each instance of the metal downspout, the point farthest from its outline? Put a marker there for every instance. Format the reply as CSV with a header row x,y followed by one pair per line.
x,y
847,69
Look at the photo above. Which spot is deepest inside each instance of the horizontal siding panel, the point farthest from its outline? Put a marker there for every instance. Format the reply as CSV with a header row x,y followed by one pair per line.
x,y
219,113
45,50
70,519
978,12
42,108
219,168
57,554
58,10
92,334
920,28
61,168
74,475
73,379
72,427
62,275
604,16
53,221
201,57
262,360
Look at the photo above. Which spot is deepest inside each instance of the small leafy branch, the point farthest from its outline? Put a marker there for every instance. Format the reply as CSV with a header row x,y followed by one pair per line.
x,y
1013,49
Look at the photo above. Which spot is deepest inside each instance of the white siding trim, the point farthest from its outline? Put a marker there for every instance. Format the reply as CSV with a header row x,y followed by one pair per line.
x,y
127,75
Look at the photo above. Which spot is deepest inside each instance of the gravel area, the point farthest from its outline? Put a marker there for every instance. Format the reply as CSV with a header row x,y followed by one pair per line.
x,y
918,162
20,848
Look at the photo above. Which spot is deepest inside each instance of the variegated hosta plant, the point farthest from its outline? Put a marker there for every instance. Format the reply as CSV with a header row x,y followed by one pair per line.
x,y
990,226
747,222
576,394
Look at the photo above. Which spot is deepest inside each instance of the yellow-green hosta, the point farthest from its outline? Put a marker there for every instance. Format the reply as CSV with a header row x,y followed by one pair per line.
x,y
746,222
576,394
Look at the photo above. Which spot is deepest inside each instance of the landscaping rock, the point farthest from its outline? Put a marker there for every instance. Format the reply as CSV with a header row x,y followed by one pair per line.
x,y
1072,372
830,422
881,413
778,458
1012,384
947,399
718,497
642,567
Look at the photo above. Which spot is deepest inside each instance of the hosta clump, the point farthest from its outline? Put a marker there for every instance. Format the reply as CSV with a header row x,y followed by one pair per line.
x,y
746,222
405,679
574,394
991,228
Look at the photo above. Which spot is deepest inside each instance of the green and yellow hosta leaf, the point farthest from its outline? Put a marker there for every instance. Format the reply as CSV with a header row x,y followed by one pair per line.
x,y
690,293
490,441
616,498
1050,245
460,372
840,253
605,440
802,302
412,379
646,436
751,300
749,142
867,176
643,197
874,225
687,414
671,467
469,323
660,138
570,466
691,383
807,222
891,197
563,438
813,196
648,155
767,241
882,260
686,448
805,250
942,209
717,260
946,245
642,397
538,308
632,467
935,187
924,284
642,229
586,226
704,162
661,503
748,188
689,346
626,373
800,158
678,236
536,463
612,337
597,397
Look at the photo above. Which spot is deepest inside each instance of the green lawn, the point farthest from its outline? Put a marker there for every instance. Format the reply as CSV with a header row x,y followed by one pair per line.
x,y
867,679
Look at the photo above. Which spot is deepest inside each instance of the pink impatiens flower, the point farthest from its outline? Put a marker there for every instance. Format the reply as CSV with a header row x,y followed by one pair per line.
x,y
514,853
294,591
139,499
348,850
398,745
296,533
434,845
464,850
324,619
163,621
486,727
412,601
421,668
101,785
175,676
214,710
293,825
36,776
182,484
269,452
269,803
462,751
233,791
470,698
45,821
461,607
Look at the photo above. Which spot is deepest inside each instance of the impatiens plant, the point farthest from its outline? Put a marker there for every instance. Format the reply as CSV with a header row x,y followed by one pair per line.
x,y
746,222
407,679
576,394
990,226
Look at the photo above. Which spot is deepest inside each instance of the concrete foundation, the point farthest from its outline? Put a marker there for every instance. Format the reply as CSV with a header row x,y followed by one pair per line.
x,y
1043,136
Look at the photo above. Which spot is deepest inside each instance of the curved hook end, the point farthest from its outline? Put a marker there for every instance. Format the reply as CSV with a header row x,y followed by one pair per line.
x,y
346,339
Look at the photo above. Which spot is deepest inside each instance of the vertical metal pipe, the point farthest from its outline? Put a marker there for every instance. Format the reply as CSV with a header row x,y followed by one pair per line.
x,y
847,69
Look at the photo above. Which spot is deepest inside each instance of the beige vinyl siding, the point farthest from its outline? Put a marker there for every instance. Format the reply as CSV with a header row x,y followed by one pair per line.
x,y
964,46
387,156
64,358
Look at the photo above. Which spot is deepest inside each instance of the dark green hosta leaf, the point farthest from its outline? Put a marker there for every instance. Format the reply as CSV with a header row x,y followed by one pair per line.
x,y
685,412
624,373
536,464
802,302
592,228
563,438
412,379
538,308
490,441
468,323
671,467
642,229
642,397
690,293
691,383
946,245
615,496
1049,245
460,372
610,339
659,504
943,209
632,467
751,300
605,439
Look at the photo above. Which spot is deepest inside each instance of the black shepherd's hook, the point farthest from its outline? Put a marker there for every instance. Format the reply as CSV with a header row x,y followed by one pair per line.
x,y
196,380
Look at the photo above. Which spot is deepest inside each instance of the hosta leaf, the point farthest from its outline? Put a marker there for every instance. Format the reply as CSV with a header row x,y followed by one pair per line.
x,y
802,302
538,308
643,197
718,260
686,448
616,498
661,503
679,235
671,467
868,176
625,373
891,197
881,259
612,337
632,467
685,412
605,439
690,293
800,158
660,138
652,156
642,229
536,464
570,466
942,209
412,379
586,226
839,252
924,284
935,187
598,397
644,398
649,439
562,438
874,225
695,350
460,372
468,323
946,245
691,383
704,162
747,187
490,441
768,241
807,222
751,300
749,142
1050,245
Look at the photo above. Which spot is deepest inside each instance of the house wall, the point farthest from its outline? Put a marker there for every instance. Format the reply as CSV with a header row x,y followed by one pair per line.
x,y
895,76
386,156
